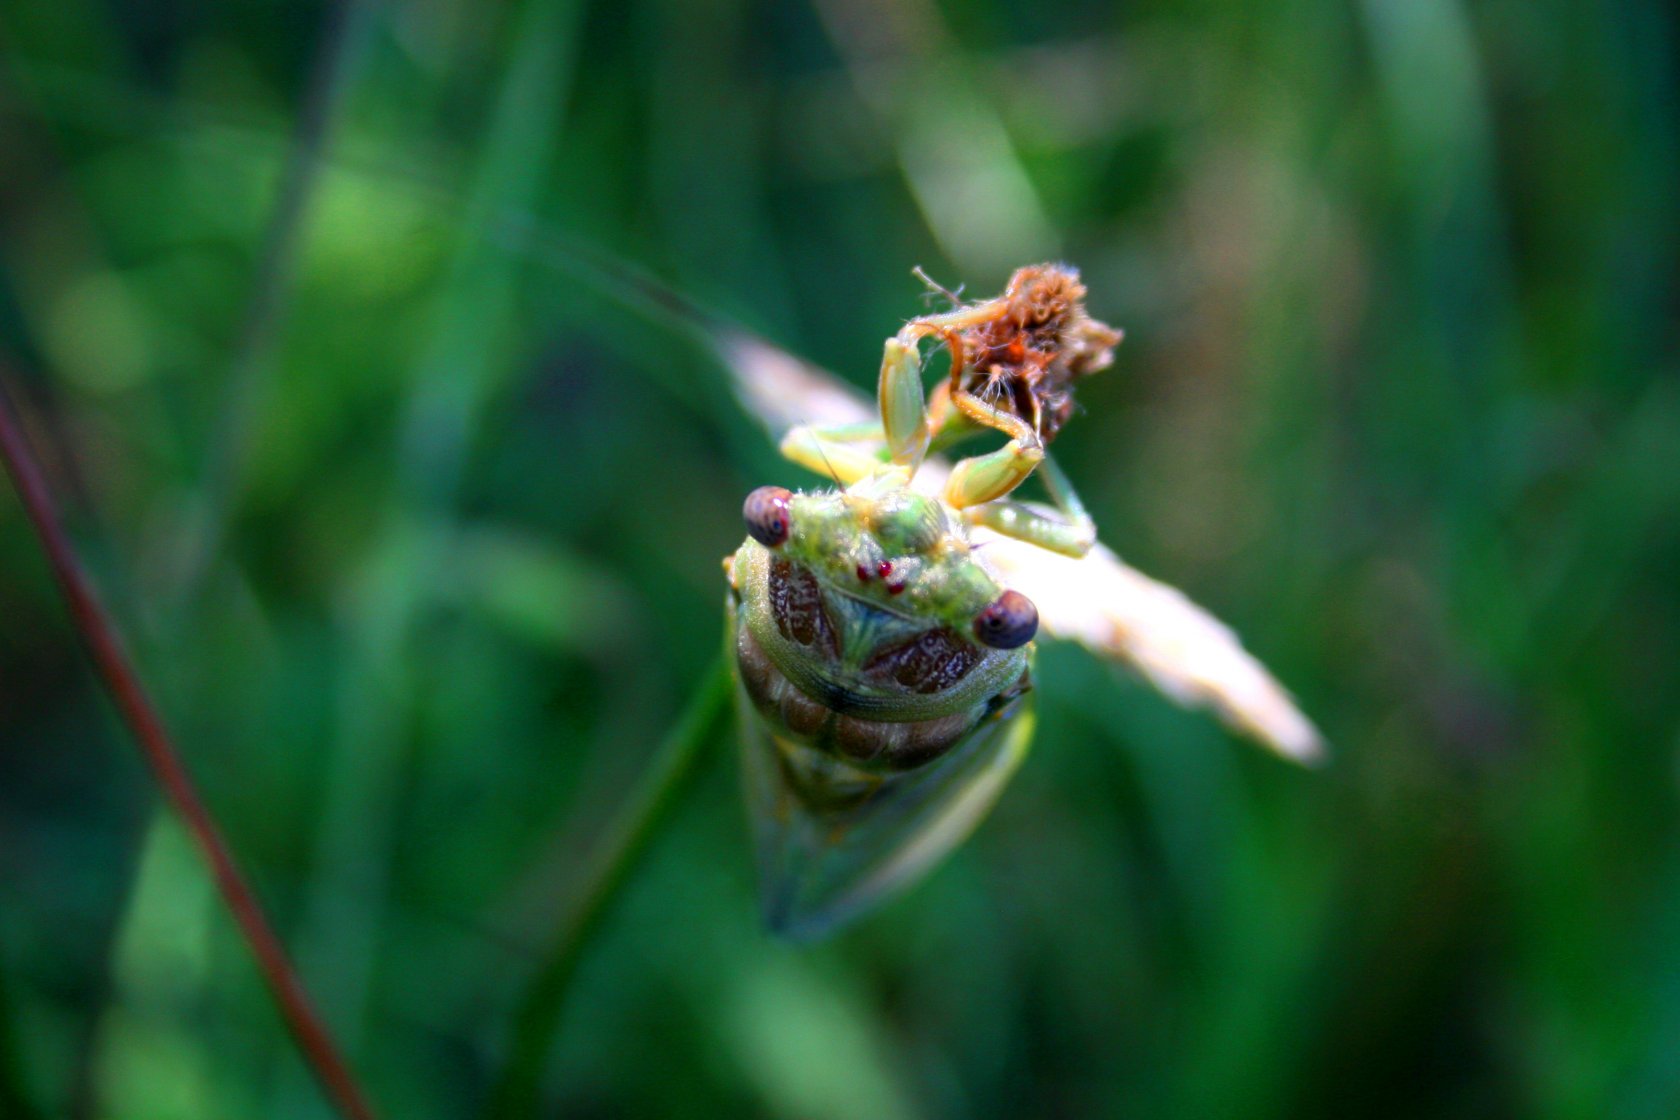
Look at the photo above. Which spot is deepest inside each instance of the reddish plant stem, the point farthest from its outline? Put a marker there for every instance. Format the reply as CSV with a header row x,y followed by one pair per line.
x,y
137,711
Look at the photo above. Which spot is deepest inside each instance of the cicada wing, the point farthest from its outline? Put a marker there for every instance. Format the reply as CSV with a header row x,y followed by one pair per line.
x,y
1119,613
834,840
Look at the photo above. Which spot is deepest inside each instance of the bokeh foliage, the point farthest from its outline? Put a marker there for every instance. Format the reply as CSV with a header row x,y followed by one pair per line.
x,y
417,533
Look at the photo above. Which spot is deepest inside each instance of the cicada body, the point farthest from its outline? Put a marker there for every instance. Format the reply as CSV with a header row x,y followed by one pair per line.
x,y
883,658
884,682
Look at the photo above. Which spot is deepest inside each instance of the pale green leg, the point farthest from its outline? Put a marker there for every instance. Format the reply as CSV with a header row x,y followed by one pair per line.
x,y
959,319
833,452
904,418
903,427
986,478
1072,534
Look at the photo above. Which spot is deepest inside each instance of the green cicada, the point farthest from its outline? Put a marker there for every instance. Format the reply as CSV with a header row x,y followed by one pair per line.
x,y
884,658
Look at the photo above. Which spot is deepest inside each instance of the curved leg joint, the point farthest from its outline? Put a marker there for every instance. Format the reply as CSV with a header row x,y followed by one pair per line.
x,y
1068,535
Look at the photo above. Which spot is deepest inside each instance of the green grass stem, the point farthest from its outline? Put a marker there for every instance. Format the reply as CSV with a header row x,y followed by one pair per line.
x,y
667,777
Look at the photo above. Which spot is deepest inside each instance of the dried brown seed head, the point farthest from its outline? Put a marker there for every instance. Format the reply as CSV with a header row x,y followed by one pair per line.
x,y
1024,351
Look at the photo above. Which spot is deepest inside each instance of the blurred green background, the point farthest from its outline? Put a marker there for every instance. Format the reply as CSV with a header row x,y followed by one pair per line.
x,y
415,531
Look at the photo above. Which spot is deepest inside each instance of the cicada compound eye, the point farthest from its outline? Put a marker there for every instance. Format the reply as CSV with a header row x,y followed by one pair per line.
x,y
1009,623
767,517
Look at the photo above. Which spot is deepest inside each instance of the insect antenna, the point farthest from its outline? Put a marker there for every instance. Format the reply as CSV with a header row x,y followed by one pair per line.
x,y
822,453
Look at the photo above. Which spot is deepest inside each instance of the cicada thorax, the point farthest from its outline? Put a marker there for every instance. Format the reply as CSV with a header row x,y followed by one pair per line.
x,y
880,699
865,676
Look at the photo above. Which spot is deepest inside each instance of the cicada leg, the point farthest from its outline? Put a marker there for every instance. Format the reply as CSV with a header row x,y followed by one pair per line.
x,y
903,428
1071,534
986,478
959,319
834,451
904,413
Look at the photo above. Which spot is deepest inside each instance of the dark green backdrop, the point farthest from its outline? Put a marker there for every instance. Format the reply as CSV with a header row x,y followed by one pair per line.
x,y
416,536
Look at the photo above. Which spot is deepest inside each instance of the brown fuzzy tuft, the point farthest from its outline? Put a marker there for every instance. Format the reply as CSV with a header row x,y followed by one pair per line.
x,y
1026,356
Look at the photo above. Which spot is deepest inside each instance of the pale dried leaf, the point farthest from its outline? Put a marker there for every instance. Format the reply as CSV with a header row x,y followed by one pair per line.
x,y
783,390
1119,613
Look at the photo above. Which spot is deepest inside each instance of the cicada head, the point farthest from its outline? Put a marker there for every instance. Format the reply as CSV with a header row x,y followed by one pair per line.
x,y
875,653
